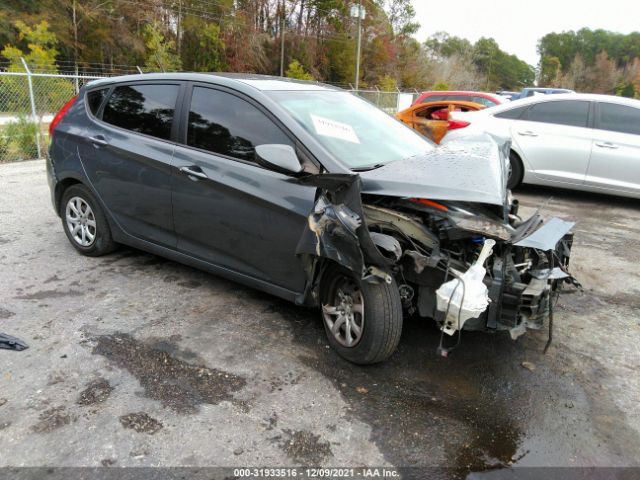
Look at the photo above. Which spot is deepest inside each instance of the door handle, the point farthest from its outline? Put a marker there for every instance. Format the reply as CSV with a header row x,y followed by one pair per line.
x,y
98,141
193,171
528,133
606,145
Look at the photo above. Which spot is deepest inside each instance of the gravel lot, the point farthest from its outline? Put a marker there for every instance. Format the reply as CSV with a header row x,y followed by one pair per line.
x,y
139,361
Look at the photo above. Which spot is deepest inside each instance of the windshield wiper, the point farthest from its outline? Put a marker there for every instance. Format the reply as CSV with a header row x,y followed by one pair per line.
x,y
366,169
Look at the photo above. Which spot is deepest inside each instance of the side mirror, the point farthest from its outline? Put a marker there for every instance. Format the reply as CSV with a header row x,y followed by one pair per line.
x,y
280,157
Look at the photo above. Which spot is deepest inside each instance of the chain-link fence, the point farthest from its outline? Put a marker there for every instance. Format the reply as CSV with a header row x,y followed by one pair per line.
x,y
30,99
390,102
28,103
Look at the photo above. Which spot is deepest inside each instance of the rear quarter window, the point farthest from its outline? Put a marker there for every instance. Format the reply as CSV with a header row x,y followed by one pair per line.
x,y
147,109
95,98
618,118
512,113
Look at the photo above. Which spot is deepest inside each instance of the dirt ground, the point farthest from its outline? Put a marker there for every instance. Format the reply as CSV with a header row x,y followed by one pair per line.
x,y
139,361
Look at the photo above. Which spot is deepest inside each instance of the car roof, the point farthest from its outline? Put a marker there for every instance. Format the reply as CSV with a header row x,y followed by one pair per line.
x,y
546,89
444,104
459,92
258,82
590,97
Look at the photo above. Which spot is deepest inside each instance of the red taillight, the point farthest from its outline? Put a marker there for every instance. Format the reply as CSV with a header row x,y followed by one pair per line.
x,y
56,120
430,203
455,124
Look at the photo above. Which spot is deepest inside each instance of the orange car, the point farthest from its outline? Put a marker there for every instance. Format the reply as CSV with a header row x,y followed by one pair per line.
x,y
431,119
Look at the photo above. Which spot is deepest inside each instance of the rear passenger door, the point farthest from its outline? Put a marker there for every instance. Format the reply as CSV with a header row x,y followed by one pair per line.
x,y
615,158
228,210
127,155
555,141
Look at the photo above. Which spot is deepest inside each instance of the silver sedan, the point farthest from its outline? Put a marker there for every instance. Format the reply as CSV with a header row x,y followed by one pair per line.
x,y
580,141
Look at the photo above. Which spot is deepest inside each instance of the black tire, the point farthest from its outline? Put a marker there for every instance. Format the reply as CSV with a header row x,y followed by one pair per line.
x,y
516,172
381,323
95,223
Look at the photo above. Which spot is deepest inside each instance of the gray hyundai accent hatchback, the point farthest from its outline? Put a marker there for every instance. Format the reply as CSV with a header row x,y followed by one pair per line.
x,y
309,193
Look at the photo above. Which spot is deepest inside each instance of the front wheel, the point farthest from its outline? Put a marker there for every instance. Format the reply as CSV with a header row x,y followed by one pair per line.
x,y
363,321
516,171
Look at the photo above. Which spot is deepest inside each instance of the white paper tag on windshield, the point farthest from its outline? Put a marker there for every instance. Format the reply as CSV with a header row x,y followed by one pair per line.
x,y
331,128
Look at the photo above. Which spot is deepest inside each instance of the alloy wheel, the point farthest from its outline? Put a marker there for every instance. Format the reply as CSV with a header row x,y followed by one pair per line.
x,y
81,221
344,315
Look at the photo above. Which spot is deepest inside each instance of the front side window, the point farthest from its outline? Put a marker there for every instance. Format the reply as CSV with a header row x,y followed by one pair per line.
x,y
228,125
618,118
354,131
144,109
570,112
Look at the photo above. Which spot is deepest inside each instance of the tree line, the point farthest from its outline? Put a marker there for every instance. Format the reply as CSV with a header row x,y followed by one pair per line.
x,y
595,61
106,36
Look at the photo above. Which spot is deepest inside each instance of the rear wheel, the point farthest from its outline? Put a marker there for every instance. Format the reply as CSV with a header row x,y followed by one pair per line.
x,y
516,170
363,321
84,222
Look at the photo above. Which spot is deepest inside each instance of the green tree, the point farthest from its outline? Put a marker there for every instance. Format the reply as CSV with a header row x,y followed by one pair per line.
x,y
296,70
40,52
626,89
160,54
442,45
37,45
441,86
401,16
203,48
550,70
388,84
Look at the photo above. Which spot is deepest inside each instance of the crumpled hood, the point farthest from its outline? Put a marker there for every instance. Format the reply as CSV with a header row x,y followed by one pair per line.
x,y
467,169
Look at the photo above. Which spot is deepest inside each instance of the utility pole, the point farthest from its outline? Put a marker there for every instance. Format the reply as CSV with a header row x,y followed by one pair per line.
x,y
358,11
178,26
282,39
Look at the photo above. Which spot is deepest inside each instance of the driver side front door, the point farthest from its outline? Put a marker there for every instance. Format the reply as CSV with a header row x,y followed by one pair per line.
x,y
229,210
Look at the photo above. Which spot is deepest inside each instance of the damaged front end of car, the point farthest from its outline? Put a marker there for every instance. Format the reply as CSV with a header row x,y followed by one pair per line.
x,y
456,246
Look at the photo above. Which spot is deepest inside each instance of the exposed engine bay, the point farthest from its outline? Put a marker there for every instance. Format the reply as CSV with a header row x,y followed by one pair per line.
x,y
467,265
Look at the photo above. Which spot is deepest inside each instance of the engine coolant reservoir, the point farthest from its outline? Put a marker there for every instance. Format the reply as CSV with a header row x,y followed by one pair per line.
x,y
466,296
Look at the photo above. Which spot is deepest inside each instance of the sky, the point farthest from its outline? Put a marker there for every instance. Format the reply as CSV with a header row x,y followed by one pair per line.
x,y
517,26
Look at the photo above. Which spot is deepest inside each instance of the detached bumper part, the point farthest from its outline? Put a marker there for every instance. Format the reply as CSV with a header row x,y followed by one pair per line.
x,y
519,293
525,305
12,343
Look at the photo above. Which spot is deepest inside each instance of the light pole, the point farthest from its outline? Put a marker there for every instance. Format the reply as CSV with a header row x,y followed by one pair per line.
x,y
359,12
282,39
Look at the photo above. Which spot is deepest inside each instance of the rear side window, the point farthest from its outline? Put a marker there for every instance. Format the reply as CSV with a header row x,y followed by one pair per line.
x,y
512,113
94,99
225,124
144,109
570,112
435,98
483,101
618,118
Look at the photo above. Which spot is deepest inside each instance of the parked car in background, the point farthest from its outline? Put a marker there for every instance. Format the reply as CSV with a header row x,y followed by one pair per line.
x,y
431,119
580,141
309,193
508,95
483,98
531,91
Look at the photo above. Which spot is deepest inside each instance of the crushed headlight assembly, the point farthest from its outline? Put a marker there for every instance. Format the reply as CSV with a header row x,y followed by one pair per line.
x,y
482,226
